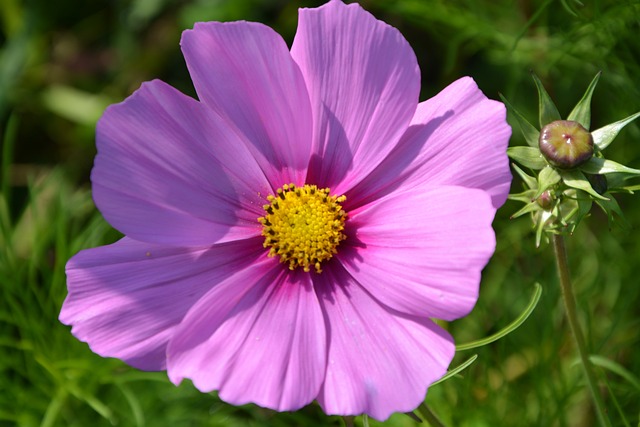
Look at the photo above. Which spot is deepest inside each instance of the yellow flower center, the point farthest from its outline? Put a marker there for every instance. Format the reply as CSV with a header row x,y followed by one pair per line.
x,y
303,225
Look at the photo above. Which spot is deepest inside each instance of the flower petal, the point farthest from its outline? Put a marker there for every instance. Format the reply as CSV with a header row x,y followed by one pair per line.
x,y
422,252
243,70
458,137
260,337
379,361
364,82
169,171
126,299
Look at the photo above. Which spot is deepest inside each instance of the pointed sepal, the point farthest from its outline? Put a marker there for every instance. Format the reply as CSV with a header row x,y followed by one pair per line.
x,y
576,179
529,131
527,156
581,113
605,135
548,110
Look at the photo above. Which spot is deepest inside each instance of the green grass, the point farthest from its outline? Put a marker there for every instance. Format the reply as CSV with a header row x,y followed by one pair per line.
x,y
62,62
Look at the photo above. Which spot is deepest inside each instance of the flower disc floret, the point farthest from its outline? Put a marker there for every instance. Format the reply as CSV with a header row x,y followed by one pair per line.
x,y
303,225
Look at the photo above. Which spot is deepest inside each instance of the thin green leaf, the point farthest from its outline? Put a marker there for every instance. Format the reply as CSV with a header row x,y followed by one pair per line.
x,y
617,369
584,207
576,179
548,110
581,113
537,292
527,156
598,165
530,133
610,207
455,371
528,180
547,178
605,135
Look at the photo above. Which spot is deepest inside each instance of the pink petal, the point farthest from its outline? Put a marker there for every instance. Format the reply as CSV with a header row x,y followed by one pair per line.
x,y
458,137
364,82
421,253
260,337
126,299
379,361
168,170
244,72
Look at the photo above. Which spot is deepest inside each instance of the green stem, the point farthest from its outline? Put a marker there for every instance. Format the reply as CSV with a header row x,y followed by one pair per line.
x,y
570,306
429,416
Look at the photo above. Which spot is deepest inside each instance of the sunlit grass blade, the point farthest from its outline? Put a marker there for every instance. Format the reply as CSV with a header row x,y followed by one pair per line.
x,y
548,110
581,113
537,292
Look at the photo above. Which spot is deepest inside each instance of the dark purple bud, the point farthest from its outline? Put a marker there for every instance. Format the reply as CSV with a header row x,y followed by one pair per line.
x,y
545,200
598,182
566,144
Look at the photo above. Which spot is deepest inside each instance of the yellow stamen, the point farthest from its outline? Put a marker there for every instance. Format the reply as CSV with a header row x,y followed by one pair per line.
x,y
303,225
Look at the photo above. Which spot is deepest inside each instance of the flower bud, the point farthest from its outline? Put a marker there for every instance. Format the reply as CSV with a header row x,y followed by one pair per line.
x,y
545,200
566,144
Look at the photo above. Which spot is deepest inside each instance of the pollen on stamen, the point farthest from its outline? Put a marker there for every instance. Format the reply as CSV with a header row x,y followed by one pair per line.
x,y
303,226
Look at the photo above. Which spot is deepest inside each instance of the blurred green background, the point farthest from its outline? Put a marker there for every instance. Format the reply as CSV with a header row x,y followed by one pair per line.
x,y
62,62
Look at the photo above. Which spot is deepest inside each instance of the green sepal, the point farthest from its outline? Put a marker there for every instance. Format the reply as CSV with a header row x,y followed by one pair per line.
x,y
599,165
611,206
630,188
582,111
576,179
529,181
605,135
582,209
617,183
530,133
540,226
524,197
548,110
527,156
531,207
546,179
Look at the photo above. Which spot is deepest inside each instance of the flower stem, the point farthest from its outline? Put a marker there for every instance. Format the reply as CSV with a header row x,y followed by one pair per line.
x,y
429,416
570,306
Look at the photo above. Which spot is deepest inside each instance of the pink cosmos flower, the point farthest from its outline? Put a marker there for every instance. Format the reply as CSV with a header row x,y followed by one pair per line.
x,y
387,203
